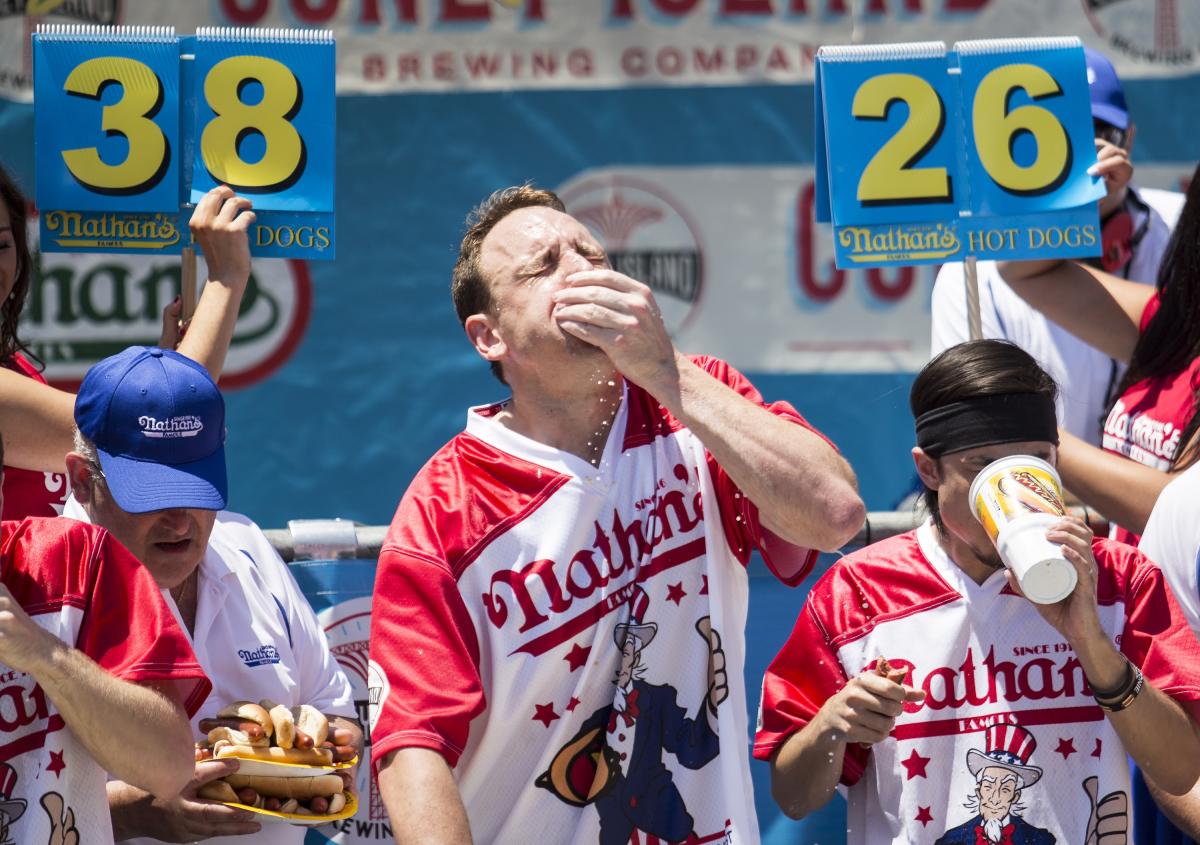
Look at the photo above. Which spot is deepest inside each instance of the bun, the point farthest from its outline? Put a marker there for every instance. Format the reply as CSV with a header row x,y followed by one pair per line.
x,y
247,710
285,725
277,787
218,790
236,737
312,721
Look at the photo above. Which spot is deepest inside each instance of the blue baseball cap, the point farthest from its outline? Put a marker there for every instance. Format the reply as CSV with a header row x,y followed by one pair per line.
x,y
1108,97
158,422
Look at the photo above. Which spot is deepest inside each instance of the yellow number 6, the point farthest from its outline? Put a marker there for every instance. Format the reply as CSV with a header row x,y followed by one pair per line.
x,y
283,161
995,128
130,116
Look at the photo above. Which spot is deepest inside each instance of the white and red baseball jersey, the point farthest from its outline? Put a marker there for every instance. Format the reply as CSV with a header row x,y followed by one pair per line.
x,y
29,492
985,658
551,628
82,586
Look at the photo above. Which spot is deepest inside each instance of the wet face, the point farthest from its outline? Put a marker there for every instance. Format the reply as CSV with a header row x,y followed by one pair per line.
x,y
997,793
170,543
8,254
951,476
629,661
526,257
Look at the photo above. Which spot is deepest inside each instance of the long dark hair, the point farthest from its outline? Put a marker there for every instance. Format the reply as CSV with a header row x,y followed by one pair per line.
x,y
970,370
12,305
1171,340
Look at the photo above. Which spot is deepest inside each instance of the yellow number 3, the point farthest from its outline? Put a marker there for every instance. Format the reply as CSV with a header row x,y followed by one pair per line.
x,y
283,161
130,116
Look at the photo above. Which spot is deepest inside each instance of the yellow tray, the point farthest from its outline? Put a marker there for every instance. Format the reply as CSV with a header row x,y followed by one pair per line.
x,y
271,768
273,817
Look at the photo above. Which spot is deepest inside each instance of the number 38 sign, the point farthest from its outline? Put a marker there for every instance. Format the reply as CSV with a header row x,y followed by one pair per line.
x,y
925,155
135,123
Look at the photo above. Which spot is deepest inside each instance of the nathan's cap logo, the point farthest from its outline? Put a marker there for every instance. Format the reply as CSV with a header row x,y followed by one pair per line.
x,y
187,425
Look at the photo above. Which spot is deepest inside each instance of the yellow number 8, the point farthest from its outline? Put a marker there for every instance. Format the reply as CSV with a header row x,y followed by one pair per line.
x,y
995,128
130,116
283,161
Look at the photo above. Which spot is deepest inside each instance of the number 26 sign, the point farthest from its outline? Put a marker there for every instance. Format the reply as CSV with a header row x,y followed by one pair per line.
x,y
134,123
926,155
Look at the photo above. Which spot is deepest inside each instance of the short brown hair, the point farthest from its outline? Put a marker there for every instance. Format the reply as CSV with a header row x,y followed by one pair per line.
x,y
970,370
468,288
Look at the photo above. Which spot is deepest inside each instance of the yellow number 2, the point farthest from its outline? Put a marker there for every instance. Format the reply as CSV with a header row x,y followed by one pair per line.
x,y
283,160
995,129
130,116
890,176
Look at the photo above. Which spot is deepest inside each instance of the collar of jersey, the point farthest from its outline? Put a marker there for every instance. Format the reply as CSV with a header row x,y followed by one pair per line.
x,y
528,449
950,572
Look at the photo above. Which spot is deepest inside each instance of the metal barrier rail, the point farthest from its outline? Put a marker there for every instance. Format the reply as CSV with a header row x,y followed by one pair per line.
x,y
330,539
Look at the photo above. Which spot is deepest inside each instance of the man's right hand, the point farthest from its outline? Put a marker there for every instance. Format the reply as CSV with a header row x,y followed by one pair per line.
x,y
185,817
220,225
866,708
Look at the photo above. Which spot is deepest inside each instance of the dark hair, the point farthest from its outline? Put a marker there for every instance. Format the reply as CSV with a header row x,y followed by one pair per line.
x,y
1171,340
468,288
11,306
969,370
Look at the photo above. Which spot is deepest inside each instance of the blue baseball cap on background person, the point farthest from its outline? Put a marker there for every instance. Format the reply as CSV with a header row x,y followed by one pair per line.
x,y
158,422
1108,97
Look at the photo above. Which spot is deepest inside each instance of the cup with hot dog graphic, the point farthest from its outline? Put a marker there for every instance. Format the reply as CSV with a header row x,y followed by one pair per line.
x,y
1016,499
291,766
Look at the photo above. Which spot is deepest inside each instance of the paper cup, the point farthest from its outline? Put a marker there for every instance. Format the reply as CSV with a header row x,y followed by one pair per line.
x,y
1016,499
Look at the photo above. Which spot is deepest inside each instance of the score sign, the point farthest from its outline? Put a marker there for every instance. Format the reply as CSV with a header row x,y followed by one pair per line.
x,y
134,123
926,156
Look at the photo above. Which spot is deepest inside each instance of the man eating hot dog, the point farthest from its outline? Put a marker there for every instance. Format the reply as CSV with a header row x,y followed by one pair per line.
x,y
149,466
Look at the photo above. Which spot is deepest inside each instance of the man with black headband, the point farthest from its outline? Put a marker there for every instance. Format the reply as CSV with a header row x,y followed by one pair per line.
x,y
907,653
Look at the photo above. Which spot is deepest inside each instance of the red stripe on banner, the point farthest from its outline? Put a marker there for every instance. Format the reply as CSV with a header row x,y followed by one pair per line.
x,y
31,741
668,560
950,727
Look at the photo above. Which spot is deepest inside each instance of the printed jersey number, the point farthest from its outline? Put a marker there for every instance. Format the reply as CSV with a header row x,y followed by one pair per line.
x,y
996,128
130,116
890,176
283,161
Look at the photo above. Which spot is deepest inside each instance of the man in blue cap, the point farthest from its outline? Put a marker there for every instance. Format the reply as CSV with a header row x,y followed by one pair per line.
x,y
149,465
1136,224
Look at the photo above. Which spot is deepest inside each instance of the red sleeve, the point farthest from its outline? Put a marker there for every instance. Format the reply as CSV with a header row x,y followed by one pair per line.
x,y
128,629
801,678
1149,311
424,646
1158,639
739,516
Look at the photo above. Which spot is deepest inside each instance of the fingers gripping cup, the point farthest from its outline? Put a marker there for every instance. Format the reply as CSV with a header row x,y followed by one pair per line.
x,y
1017,499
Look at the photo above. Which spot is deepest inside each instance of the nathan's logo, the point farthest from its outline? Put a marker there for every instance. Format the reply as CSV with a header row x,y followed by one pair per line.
x,y
84,307
659,537
647,237
24,713
83,229
1160,31
264,655
187,425
911,241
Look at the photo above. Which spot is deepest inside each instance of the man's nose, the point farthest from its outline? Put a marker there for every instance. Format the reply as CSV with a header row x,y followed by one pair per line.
x,y
574,262
176,519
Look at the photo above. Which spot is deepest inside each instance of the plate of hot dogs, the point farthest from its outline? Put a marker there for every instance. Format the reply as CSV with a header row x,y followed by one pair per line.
x,y
290,767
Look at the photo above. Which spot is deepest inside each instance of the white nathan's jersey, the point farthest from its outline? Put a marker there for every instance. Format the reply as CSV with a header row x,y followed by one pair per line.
x,y
516,585
1006,697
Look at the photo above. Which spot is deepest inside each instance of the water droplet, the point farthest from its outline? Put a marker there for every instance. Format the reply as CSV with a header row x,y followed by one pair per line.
x,y
612,384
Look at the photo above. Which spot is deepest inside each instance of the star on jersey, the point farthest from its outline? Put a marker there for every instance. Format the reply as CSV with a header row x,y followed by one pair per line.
x,y
577,656
544,713
924,816
675,593
1066,747
1096,750
56,763
915,765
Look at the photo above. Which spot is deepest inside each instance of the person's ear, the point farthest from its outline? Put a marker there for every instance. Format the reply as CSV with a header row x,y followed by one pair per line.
x,y
79,474
484,335
928,468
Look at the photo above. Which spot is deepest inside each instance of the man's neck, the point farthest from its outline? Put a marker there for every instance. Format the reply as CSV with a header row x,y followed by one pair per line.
x,y
963,556
574,421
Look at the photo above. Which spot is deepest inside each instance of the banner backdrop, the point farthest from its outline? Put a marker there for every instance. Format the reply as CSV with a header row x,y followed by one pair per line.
x,y
679,130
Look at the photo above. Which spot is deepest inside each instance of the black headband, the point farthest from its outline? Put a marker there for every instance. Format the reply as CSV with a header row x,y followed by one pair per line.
x,y
986,421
